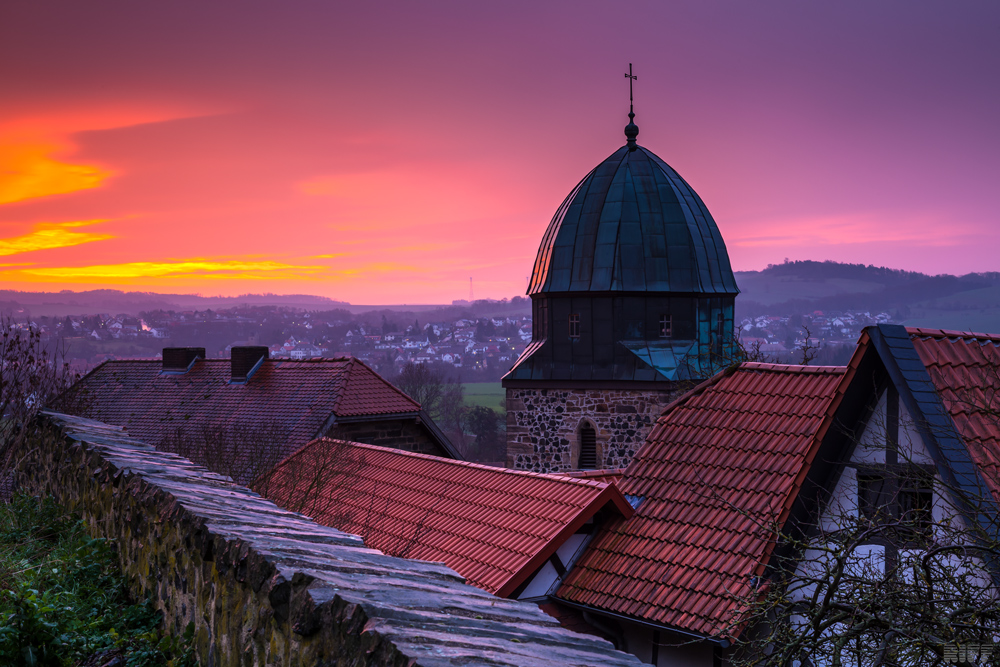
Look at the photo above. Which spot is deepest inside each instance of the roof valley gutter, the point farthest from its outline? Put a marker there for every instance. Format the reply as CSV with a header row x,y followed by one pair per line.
x,y
260,362
721,643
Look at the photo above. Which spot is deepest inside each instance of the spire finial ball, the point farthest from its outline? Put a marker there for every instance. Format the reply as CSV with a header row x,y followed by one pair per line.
x,y
631,131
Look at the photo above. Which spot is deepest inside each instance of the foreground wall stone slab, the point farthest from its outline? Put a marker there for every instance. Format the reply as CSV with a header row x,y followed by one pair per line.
x,y
264,586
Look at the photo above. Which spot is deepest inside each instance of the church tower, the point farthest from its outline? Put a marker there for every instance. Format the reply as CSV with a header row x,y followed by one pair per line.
x,y
632,300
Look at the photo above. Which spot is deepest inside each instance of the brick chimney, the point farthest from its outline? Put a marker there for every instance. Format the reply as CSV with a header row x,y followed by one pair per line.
x,y
245,359
179,359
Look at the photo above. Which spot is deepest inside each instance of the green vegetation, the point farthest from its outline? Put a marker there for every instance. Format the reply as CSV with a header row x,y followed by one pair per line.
x,y
63,600
485,394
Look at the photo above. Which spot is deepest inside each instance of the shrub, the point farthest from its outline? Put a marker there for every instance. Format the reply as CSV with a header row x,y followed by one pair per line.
x,y
63,600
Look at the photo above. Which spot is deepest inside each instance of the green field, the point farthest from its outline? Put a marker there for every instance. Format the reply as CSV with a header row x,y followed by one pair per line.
x,y
486,394
974,310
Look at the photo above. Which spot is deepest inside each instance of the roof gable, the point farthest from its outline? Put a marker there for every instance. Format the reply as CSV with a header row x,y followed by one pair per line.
x,y
301,396
492,525
948,380
720,468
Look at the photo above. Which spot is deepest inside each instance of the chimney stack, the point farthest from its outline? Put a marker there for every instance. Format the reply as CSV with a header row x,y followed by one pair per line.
x,y
245,359
179,359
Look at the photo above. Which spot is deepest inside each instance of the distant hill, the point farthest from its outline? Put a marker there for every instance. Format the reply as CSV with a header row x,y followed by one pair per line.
x,y
117,302
969,302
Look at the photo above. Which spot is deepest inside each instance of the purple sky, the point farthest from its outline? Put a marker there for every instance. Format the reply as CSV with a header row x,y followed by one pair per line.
x,y
386,152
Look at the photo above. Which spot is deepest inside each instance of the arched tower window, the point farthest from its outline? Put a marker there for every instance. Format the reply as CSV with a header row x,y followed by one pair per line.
x,y
588,447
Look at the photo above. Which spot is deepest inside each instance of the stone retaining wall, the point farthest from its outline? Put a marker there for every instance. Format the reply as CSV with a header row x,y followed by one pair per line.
x,y
543,425
264,586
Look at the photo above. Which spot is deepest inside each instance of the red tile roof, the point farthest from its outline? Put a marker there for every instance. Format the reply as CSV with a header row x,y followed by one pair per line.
x,y
300,395
493,526
722,464
965,370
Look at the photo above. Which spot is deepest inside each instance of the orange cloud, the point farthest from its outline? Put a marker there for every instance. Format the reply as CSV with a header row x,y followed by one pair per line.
x,y
46,236
203,268
33,151
29,170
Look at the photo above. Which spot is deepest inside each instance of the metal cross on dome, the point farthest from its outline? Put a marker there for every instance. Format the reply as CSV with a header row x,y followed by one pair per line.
x,y
631,77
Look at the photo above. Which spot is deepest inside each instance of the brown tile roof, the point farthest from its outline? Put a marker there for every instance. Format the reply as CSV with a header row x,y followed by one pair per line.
x,y
299,395
965,370
493,526
722,464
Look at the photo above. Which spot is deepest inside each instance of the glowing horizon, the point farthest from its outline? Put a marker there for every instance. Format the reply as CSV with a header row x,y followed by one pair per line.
x,y
385,155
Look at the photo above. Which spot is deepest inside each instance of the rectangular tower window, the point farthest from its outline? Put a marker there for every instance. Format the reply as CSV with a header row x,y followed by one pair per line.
x,y
666,328
720,329
541,328
574,325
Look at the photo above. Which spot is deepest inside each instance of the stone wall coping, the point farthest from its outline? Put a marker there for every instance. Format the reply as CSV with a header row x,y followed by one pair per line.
x,y
322,588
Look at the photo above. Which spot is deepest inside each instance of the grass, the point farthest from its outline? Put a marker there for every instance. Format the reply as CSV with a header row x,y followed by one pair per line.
x,y
63,600
486,394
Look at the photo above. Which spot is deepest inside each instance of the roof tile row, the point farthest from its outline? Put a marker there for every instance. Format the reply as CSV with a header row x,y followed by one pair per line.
x,y
492,525
721,465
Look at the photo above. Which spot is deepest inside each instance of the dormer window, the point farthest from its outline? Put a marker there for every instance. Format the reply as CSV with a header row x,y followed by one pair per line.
x,y
574,325
666,326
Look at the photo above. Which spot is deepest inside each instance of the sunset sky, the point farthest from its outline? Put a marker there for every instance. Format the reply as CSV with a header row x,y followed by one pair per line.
x,y
386,152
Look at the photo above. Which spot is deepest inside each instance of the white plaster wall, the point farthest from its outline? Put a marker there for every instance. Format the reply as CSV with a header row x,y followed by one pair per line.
x,y
567,551
871,444
843,501
540,583
911,446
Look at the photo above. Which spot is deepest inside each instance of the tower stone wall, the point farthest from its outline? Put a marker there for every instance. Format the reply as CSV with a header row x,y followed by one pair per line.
x,y
543,425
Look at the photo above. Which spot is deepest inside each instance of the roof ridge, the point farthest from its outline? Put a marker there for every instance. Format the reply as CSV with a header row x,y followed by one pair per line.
x,y
342,394
951,333
790,368
355,362
467,464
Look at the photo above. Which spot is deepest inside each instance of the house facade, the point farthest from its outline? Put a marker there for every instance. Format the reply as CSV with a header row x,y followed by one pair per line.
x,y
754,478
